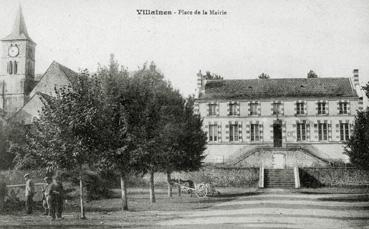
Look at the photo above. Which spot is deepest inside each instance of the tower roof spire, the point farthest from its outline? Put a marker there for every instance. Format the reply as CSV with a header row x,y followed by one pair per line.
x,y
19,31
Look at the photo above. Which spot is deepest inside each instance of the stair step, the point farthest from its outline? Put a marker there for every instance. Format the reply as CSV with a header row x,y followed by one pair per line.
x,y
279,178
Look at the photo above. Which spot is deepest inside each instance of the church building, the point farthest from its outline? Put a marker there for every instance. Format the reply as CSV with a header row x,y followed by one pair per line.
x,y
20,89
278,123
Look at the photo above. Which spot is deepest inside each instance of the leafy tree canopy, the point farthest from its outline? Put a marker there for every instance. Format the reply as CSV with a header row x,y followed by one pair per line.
x,y
312,74
264,76
358,144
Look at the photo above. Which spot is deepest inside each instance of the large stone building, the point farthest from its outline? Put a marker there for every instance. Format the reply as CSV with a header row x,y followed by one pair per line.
x,y
20,88
278,123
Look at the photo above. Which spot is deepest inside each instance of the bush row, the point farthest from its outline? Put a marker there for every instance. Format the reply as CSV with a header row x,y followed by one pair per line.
x,y
333,176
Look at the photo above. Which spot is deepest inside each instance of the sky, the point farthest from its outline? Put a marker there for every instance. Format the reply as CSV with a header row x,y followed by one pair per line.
x,y
283,38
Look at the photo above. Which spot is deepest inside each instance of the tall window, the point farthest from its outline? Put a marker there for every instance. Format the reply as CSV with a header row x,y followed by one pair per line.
x,y
322,108
344,131
233,132
276,108
213,133
301,131
15,67
323,131
342,106
300,108
232,109
10,67
212,109
255,133
253,108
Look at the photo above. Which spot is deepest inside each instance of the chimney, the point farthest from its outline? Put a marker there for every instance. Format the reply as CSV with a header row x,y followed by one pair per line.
x,y
200,84
356,77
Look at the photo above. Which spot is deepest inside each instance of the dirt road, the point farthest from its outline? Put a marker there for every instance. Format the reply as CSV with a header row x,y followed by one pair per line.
x,y
281,209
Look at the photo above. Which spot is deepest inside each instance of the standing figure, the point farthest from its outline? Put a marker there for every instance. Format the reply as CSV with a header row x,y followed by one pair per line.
x,y
57,193
29,192
46,195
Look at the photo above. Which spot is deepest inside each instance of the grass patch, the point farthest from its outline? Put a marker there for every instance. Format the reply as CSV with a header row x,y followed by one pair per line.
x,y
107,212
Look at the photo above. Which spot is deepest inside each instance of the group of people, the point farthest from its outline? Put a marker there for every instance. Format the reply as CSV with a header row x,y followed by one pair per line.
x,y
52,196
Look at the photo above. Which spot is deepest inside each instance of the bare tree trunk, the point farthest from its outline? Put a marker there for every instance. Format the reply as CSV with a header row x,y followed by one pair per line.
x,y
123,187
169,185
179,190
152,191
82,216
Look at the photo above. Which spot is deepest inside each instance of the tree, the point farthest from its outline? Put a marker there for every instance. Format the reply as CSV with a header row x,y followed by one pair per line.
x,y
312,74
264,76
151,90
117,147
183,140
358,144
212,76
12,134
67,134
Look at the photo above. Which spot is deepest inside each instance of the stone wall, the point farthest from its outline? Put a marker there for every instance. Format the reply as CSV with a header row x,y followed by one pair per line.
x,y
293,158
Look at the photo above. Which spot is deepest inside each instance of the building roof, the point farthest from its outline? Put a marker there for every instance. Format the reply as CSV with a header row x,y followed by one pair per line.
x,y
277,88
69,73
19,31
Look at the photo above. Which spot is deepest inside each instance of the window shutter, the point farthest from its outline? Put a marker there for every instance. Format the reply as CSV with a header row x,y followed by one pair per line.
x,y
348,107
259,108
249,108
272,108
261,131
327,107
305,108
316,107
208,109
206,130
282,108
307,131
248,131
338,106
295,108
238,108
240,132
217,108
220,132
271,132
227,132
330,130
229,108
316,131
351,126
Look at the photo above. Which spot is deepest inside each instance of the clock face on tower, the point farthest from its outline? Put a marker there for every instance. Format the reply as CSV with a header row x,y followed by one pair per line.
x,y
13,51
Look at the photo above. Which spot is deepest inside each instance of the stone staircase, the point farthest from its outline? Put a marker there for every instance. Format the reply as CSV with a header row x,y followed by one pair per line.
x,y
279,178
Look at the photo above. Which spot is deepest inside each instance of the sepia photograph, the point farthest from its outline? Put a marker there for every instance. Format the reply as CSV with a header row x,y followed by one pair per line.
x,y
184,114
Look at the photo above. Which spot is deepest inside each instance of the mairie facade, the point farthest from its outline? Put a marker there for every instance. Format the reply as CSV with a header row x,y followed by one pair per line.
x,y
278,123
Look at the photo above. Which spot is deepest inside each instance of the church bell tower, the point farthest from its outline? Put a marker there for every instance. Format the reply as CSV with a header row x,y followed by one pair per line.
x,y
17,66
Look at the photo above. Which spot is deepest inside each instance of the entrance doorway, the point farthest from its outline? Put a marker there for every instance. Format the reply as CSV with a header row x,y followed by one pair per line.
x,y
277,133
279,161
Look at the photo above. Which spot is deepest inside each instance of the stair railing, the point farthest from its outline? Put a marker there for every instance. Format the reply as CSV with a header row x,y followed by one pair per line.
x,y
297,177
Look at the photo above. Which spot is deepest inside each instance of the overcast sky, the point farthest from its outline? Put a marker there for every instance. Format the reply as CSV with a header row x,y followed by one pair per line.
x,y
283,38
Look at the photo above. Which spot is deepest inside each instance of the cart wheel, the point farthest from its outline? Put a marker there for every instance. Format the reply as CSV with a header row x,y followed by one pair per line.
x,y
201,191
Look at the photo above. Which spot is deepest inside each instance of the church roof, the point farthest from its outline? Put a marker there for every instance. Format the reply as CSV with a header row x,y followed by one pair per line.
x,y
277,88
69,73
19,31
